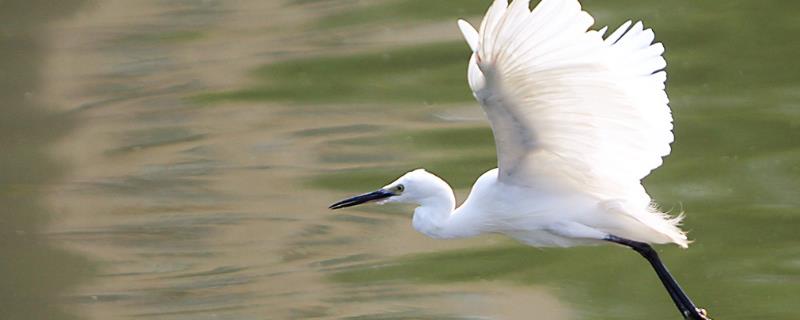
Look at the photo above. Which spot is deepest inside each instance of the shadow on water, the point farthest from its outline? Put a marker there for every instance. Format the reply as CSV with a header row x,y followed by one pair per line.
x,y
34,274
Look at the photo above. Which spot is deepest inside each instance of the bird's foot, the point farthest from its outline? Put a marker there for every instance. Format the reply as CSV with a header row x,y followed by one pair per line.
x,y
699,314
703,313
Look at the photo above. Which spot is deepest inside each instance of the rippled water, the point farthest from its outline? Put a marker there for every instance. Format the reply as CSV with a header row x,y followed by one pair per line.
x,y
174,160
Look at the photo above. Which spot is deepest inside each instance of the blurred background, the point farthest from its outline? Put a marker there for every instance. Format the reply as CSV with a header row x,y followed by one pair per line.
x,y
175,159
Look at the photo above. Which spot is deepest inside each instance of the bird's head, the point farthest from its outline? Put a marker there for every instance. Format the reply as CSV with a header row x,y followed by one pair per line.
x,y
413,187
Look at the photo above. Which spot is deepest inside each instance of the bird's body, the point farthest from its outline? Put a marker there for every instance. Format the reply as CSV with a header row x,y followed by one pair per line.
x,y
540,215
579,120
525,213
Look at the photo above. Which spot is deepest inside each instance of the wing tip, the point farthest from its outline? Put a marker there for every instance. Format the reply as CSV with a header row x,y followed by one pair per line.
x,y
469,33
617,34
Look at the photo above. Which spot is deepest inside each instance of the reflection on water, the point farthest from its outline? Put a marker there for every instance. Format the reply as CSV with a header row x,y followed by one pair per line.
x,y
200,141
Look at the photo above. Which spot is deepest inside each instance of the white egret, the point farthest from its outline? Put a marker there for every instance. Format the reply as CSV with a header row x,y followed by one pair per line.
x,y
578,120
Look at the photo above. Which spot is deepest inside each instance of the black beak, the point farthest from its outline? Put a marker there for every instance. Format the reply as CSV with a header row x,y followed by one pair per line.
x,y
367,197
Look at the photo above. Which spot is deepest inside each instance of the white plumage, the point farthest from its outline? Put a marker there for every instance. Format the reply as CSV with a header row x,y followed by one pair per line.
x,y
578,121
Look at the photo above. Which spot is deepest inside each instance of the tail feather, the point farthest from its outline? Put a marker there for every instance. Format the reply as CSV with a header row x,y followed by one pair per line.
x,y
659,227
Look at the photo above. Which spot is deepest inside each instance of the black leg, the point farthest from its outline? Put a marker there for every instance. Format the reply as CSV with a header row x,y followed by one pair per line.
x,y
685,305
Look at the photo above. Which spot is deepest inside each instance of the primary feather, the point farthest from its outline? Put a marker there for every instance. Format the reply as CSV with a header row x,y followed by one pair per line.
x,y
568,107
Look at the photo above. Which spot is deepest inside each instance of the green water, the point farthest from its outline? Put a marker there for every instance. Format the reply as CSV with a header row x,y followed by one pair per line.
x,y
30,286
179,161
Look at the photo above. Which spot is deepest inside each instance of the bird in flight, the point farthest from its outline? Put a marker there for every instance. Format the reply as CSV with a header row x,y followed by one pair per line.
x,y
579,119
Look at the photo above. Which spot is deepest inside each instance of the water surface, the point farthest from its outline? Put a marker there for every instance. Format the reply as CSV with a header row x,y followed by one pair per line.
x,y
177,158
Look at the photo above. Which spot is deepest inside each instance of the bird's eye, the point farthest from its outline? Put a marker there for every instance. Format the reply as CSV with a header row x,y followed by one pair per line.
x,y
400,187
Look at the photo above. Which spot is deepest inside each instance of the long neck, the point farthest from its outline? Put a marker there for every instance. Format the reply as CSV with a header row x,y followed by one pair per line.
x,y
434,216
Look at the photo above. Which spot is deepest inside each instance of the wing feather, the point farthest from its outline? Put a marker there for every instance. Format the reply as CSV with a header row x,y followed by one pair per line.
x,y
565,104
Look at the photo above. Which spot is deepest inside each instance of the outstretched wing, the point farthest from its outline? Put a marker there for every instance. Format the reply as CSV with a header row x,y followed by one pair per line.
x,y
565,103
